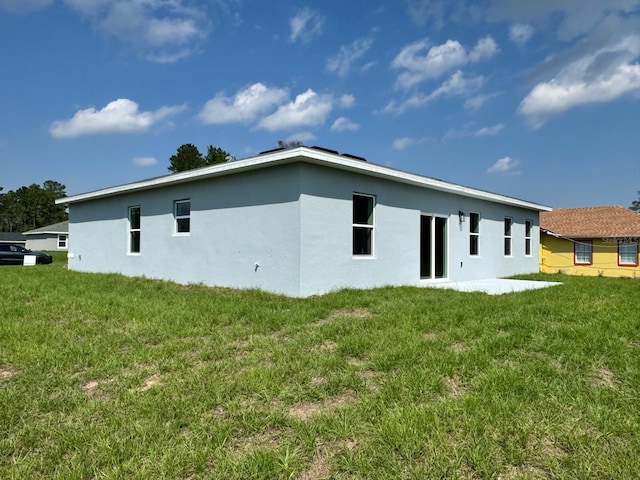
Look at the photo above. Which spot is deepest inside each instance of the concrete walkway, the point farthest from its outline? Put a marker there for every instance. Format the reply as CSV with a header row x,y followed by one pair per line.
x,y
495,286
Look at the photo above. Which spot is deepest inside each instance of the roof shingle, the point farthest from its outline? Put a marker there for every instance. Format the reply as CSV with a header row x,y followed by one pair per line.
x,y
592,222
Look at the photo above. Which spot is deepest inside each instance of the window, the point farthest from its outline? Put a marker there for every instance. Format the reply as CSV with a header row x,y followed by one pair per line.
x,y
474,233
363,224
527,238
62,241
628,252
508,222
583,252
134,229
182,214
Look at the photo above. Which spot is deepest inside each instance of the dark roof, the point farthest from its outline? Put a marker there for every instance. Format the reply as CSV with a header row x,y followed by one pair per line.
x,y
60,227
592,222
12,237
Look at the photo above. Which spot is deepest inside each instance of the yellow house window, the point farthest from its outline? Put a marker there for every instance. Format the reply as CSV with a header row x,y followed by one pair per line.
x,y
628,253
583,252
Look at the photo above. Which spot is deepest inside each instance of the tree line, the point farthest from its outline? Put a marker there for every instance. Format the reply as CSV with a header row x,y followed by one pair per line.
x,y
31,207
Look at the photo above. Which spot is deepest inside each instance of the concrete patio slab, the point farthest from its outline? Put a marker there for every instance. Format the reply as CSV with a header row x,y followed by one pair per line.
x,y
495,286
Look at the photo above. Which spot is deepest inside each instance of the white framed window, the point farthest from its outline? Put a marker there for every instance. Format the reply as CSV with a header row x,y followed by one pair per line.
x,y
628,253
134,229
182,216
363,224
583,252
474,234
508,224
527,237
62,241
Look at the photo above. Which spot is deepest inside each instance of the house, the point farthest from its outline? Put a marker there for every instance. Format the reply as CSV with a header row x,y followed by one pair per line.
x,y
13,238
300,222
590,241
50,238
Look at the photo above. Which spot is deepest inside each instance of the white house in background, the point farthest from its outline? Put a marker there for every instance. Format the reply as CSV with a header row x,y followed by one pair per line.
x,y
299,222
50,238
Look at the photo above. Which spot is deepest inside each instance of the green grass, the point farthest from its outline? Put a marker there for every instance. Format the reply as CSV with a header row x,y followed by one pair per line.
x,y
108,377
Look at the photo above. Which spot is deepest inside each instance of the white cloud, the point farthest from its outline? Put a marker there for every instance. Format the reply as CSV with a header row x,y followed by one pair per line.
x,y
24,6
489,131
520,33
456,85
245,106
341,63
343,124
484,49
402,143
119,116
160,30
478,101
598,76
417,66
346,101
144,161
505,166
305,25
577,17
307,110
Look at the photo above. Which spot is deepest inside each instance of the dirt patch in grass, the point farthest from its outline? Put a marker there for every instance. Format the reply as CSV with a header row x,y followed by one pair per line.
x,y
458,347
454,386
546,447
7,373
326,346
306,410
320,467
430,336
344,313
602,377
93,389
150,381
267,440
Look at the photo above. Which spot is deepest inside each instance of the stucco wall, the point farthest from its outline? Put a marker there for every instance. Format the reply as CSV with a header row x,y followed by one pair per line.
x,y
295,222
557,255
236,222
326,234
44,241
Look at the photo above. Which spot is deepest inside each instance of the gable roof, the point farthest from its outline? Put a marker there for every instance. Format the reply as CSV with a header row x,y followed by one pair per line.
x,y
313,155
60,227
592,222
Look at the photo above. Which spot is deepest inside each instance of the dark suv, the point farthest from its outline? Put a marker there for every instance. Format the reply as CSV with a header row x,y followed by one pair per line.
x,y
14,255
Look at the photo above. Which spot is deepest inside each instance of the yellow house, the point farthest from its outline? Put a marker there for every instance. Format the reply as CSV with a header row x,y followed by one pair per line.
x,y
590,241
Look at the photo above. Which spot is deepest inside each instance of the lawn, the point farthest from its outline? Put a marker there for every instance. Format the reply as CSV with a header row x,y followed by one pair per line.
x,y
103,376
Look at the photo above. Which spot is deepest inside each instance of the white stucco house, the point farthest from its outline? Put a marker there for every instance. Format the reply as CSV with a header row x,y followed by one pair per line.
x,y
300,222
52,238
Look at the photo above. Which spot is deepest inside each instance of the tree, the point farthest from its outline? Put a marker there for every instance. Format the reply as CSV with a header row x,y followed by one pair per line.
x,y
189,157
216,155
635,205
32,207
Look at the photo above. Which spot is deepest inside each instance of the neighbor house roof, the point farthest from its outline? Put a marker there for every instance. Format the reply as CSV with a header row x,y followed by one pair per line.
x,y
56,228
592,222
11,237
312,155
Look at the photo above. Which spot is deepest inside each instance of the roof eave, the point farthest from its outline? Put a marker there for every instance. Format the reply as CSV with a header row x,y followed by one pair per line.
x,y
308,155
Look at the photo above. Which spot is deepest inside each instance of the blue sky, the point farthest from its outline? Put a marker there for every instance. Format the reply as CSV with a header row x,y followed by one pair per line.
x,y
536,100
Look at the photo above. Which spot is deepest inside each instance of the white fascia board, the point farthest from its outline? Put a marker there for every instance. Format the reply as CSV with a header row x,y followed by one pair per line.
x,y
310,155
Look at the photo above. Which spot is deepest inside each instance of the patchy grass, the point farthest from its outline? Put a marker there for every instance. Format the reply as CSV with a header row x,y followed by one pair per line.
x,y
103,376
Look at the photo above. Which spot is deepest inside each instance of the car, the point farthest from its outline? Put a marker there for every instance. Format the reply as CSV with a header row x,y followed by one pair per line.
x,y
14,255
